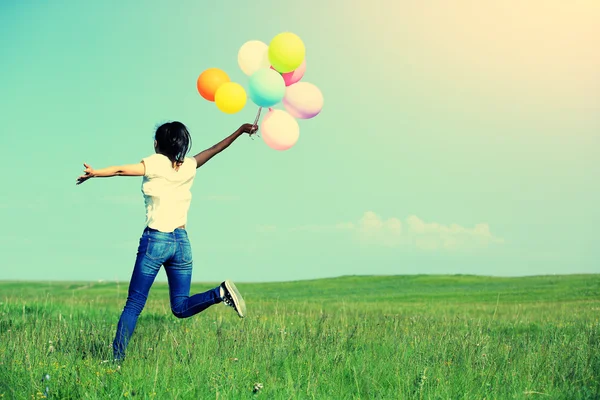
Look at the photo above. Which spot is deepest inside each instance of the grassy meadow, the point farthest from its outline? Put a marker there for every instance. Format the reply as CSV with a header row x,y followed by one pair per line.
x,y
355,337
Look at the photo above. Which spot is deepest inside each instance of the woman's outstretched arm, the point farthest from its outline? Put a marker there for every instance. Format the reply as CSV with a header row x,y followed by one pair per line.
x,y
204,156
124,170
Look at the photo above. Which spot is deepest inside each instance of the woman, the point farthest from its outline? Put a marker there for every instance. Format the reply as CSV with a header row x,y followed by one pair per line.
x,y
168,178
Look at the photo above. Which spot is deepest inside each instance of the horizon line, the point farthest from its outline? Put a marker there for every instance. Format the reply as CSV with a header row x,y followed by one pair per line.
x,y
96,281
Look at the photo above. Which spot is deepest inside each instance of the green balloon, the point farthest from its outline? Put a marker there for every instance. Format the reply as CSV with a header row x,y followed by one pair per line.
x,y
286,52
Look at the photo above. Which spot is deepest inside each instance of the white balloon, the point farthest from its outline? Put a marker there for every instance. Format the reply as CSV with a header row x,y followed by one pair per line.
x,y
279,130
252,56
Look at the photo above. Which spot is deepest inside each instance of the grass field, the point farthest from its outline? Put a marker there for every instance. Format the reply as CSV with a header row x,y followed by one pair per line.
x,y
396,337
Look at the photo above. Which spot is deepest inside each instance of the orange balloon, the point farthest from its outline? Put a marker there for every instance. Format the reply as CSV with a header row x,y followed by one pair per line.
x,y
209,81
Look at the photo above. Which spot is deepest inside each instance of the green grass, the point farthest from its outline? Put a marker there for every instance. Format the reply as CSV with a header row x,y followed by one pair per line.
x,y
396,337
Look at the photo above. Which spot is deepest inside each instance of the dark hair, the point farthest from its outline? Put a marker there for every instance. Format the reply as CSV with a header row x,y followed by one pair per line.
x,y
173,140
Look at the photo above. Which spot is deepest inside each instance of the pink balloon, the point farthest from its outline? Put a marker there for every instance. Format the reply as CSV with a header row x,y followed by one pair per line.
x,y
303,100
279,130
292,77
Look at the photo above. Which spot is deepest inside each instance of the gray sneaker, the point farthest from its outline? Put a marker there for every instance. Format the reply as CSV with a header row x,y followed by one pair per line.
x,y
233,298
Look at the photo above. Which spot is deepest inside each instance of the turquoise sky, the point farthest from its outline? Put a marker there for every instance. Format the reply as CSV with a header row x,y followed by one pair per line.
x,y
454,139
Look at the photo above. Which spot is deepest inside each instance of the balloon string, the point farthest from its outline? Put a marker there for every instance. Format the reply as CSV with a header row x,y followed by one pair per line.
x,y
257,115
256,121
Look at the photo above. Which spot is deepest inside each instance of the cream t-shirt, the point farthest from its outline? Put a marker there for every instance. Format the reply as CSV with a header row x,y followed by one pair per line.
x,y
167,192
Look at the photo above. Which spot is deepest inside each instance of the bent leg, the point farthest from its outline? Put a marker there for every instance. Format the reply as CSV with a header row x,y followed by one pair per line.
x,y
179,274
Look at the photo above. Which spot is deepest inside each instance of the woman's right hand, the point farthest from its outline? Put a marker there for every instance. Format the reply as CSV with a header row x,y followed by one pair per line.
x,y
89,173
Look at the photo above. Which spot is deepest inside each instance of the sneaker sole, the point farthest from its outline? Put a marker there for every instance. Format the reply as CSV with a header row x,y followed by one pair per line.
x,y
238,300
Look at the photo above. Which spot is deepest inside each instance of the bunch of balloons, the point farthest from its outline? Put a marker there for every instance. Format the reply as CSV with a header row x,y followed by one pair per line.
x,y
275,71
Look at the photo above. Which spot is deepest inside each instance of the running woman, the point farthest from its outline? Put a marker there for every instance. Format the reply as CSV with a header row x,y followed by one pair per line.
x,y
168,176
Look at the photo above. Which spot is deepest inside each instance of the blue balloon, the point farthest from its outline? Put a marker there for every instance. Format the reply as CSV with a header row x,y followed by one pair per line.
x,y
266,87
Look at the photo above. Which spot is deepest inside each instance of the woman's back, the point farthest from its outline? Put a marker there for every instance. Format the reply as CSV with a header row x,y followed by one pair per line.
x,y
167,191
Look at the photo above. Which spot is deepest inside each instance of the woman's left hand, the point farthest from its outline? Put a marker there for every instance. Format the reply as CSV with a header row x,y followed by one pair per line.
x,y
89,173
248,128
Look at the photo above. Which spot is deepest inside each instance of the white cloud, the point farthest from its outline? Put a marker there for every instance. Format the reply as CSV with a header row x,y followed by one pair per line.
x,y
371,229
424,235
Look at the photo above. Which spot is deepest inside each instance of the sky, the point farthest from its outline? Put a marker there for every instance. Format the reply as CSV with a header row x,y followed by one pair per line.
x,y
456,137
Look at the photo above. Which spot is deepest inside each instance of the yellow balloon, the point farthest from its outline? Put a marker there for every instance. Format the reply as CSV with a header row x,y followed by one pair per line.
x,y
286,52
230,98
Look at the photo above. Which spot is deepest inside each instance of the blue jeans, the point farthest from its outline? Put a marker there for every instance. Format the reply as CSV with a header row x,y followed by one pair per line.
x,y
173,251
